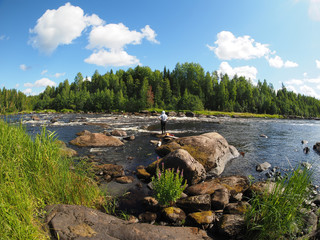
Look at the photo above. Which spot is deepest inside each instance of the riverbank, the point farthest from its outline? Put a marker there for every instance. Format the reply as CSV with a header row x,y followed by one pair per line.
x,y
196,113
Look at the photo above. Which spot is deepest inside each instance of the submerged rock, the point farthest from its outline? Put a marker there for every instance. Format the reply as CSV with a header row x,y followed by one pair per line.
x,y
263,166
210,149
79,222
96,140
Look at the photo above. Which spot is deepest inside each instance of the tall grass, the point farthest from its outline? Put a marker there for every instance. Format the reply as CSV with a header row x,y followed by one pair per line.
x,y
277,215
32,175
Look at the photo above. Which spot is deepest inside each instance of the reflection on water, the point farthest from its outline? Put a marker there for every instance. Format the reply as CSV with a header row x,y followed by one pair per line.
x,y
282,145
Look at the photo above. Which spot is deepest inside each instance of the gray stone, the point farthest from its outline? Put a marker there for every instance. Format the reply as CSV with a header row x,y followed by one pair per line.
x,y
263,166
82,223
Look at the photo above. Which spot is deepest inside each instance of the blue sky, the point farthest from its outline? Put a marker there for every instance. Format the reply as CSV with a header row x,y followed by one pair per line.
x,y
44,42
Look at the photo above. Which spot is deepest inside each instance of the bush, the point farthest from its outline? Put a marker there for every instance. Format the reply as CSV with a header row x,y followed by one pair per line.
x,y
167,185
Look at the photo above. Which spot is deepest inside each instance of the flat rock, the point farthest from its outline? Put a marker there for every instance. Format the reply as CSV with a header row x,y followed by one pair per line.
x,y
124,179
195,203
235,185
109,169
201,218
96,140
82,223
210,149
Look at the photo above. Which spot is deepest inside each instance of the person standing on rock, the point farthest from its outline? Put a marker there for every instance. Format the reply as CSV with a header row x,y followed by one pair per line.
x,y
163,119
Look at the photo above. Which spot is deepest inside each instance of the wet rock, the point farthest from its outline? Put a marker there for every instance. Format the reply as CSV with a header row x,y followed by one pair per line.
x,y
304,142
306,150
193,171
118,133
54,120
147,217
231,225
151,204
190,114
195,203
174,215
79,222
263,166
84,132
235,185
220,198
316,147
124,179
108,169
236,208
210,149
35,118
263,136
201,219
96,140
316,200
142,173
130,138
310,221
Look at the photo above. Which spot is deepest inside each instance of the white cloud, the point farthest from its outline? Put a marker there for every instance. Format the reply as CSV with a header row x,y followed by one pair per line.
x,y
294,82
43,82
230,47
291,88
246,71
24,67
277,62
309,91
318,63
112,58
60,27
57,75
109,42
313,80
44,72
27,91
17,85
314,10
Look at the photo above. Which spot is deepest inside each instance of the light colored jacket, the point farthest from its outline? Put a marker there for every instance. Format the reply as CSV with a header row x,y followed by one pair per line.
x,y
163,116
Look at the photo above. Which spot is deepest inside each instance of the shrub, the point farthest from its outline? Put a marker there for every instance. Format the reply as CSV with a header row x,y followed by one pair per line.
x,y
167,185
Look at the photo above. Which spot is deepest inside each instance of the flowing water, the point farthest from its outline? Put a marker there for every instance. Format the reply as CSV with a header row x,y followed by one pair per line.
x,y
281,148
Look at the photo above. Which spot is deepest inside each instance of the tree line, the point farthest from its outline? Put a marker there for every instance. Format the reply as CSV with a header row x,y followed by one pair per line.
x,y
186,87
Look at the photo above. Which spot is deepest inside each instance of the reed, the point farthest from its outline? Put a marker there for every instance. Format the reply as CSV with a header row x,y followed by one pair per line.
x,y
33,174
277,215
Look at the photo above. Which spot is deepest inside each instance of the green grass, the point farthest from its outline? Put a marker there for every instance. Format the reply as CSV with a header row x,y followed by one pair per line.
x,y
32,175
277,215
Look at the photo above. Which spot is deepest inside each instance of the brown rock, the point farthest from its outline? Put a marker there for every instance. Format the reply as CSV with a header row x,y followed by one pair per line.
x,y
124,179
143,174
261,187
235,185
119,133
147,217
201,218
96,140
67,222
174,215
65,151
195,203
130,138
35,118
151,204
84,132
231,225
112,170
220,198
210,149
236,208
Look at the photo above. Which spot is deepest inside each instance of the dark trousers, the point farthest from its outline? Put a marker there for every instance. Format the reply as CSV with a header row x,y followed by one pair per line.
x,y
163,126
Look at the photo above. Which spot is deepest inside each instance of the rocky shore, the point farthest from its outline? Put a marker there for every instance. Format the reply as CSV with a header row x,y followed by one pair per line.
x,y
211,207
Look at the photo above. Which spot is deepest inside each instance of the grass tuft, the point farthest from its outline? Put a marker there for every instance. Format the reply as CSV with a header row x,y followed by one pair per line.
x,y
277,215
34,174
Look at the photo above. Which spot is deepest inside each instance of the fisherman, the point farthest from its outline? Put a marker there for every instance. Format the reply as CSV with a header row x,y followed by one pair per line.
x,y
163,119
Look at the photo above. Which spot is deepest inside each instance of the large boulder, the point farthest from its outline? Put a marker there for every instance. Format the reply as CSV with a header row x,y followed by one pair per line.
x,y
210,149
96,140
193,171
195,203
79,222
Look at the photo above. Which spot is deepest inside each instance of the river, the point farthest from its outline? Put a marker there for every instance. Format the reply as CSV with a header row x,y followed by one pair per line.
x,y
281,148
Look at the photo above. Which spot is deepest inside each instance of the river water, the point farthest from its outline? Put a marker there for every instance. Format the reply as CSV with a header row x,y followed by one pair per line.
x,y
281,148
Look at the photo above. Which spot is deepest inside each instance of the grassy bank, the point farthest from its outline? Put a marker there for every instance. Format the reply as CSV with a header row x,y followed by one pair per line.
x,y
278,215
32,175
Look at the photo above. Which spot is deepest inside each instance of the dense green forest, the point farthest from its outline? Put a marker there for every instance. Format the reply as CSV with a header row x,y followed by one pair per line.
x,y
186,87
